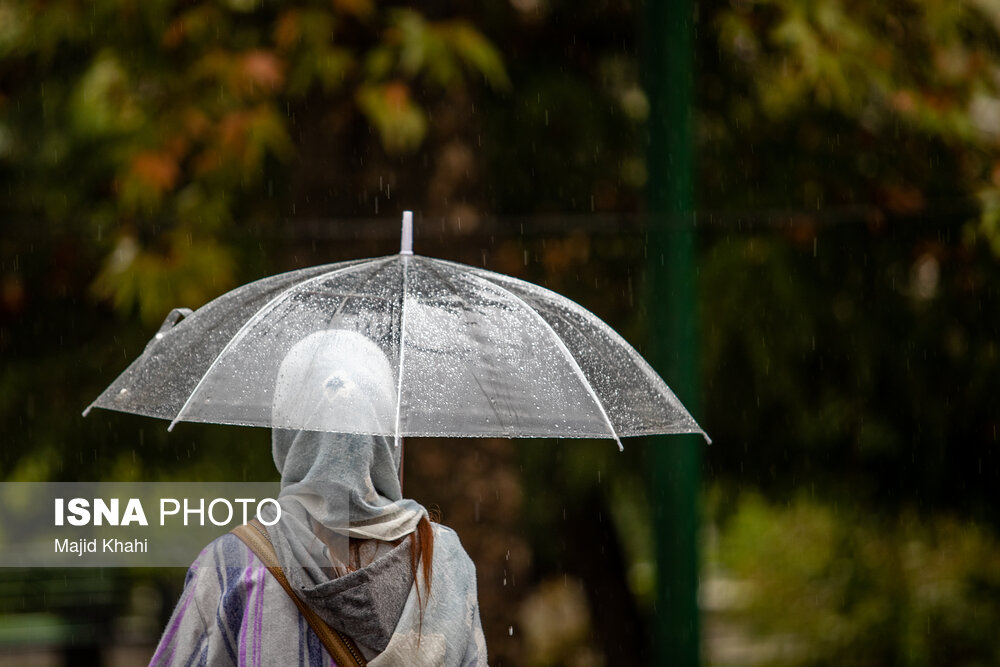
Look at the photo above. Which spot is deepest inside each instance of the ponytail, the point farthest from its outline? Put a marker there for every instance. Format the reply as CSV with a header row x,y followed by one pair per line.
x,y
422,557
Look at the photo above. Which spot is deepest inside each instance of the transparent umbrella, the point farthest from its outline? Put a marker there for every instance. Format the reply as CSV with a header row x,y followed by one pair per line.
x,y
434,348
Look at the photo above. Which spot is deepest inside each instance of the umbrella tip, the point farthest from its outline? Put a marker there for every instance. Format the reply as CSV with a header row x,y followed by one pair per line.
x,y
406,239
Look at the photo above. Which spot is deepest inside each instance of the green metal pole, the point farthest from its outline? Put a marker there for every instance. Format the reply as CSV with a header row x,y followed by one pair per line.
x,y
675,472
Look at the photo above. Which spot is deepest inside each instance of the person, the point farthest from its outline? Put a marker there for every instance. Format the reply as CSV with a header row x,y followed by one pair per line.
x,y
366,560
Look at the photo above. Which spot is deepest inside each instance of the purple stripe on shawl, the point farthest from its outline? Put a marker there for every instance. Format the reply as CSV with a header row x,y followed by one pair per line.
x,y
302,643
248,579
232,606
235,601
259,625
167,641
315,647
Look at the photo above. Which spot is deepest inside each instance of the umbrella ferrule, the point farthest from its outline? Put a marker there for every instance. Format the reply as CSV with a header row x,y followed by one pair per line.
x,y
406,237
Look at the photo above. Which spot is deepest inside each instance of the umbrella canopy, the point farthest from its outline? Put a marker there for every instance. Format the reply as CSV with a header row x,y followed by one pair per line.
x,y
399,346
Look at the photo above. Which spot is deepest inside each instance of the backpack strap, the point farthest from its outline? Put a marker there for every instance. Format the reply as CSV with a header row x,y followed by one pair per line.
x,y
340,647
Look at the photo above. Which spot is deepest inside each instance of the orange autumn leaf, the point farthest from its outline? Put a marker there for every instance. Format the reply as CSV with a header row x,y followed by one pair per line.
x,y
174,34
157,170
287,30
354,7
176,146
232,131
939,101
904,101
397,95
903,199
196,122
208,161
262,68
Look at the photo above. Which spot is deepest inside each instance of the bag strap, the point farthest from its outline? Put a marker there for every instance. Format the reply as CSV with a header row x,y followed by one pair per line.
x,y
340,647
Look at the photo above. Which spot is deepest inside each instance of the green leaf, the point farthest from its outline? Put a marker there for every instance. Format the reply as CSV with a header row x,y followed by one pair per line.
x,y
478,53
400,123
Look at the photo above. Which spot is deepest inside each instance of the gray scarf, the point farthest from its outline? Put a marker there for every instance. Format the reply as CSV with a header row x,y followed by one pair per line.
x,y
337,486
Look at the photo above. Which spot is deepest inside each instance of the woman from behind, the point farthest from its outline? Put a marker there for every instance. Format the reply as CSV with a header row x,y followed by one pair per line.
x,y
366,561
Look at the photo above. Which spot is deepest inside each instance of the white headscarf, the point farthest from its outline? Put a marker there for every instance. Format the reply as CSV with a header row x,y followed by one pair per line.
x,y
336,486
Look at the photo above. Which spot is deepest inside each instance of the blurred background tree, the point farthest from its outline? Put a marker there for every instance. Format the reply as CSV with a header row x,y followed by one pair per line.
x,y
858,147
155,154
152,129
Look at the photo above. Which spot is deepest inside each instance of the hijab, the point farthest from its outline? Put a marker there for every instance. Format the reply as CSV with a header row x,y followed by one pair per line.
x,y
336,486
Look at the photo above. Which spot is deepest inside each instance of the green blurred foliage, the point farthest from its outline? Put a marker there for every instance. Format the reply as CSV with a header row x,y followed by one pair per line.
x,y
820,584
862,363
902,98
150,129
568,137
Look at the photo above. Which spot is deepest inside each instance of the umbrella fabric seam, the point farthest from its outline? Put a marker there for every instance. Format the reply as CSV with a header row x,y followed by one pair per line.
x,y
475,376
641,363
565,351
259,315
101,401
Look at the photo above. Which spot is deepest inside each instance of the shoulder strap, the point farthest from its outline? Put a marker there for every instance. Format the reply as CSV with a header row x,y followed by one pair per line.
x,y
340,647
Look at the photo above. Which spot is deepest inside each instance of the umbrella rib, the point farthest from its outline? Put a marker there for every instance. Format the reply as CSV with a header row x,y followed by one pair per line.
x,y
640,363
402,342
347,296
472,371
258,316
566,353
